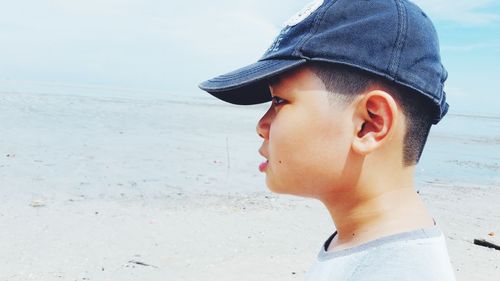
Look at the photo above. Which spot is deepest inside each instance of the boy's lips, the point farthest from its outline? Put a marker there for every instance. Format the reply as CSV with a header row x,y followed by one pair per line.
x,y
263,166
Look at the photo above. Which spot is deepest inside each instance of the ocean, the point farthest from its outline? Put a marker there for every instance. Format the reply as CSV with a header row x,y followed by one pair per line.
x,y
462,149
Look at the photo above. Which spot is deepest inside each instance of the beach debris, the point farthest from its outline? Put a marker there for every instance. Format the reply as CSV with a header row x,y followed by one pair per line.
x,y
228,156
37,203
141,263
492,234
487,244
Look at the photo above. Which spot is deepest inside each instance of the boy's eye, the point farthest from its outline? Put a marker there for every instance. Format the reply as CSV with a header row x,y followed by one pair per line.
x,y
278,100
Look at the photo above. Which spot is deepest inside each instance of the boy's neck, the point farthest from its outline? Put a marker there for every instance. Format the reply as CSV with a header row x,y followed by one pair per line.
x,y
366,213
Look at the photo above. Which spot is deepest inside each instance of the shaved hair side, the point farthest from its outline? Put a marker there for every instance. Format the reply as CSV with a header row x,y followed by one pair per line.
x,y
345,83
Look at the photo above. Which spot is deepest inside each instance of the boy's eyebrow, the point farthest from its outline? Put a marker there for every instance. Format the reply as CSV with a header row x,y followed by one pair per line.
x,y
274,80
270,87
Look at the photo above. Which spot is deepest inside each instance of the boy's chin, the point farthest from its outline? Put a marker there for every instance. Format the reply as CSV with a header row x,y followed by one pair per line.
x,y
275,188
288,190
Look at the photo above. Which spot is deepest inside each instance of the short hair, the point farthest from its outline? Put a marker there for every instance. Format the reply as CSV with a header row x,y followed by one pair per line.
x,y
346,82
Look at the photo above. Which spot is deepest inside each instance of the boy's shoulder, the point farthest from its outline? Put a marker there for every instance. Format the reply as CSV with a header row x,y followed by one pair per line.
x,y
415,255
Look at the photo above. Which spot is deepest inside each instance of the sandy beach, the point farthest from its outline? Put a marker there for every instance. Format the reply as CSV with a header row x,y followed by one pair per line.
x,y
98,187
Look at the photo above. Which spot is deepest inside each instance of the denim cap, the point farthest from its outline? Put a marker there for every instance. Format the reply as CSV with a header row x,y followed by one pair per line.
x,y
393,39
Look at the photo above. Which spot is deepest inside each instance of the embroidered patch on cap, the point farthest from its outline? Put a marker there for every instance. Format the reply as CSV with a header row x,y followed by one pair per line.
x,y
297,18
304,13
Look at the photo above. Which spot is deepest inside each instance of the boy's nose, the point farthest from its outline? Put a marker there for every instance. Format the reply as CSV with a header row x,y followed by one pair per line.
x,y
264,124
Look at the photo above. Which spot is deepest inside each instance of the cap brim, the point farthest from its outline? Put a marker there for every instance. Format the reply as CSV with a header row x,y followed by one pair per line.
x,y
248,85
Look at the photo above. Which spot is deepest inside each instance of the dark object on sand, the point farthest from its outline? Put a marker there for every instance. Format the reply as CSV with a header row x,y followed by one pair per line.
x,y
484,243
141,263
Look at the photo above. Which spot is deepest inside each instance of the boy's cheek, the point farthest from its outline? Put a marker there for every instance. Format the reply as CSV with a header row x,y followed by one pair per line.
x,y
288,169
300,152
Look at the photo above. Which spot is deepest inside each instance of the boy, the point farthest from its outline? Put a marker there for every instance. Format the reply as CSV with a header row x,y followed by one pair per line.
x,y
355,87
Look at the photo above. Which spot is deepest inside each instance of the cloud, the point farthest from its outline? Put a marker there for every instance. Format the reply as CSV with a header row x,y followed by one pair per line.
x,y
469,47
159,43
218,33
477,12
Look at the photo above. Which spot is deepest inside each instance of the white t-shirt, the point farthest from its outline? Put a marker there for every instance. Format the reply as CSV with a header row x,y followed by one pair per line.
x,y
410,256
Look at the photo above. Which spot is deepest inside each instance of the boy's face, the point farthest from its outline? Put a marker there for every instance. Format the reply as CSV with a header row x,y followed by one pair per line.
x,y
307,137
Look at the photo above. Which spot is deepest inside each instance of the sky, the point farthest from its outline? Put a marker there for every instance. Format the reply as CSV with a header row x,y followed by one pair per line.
x,y
170,47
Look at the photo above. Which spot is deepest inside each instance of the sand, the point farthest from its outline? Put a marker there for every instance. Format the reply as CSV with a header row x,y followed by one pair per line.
x,y
131,188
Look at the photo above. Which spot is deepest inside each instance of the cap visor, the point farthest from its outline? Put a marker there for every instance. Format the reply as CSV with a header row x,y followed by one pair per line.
x,y
248,85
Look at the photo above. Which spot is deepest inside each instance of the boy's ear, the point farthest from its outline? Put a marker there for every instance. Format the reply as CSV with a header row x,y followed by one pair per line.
x,y
375,118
